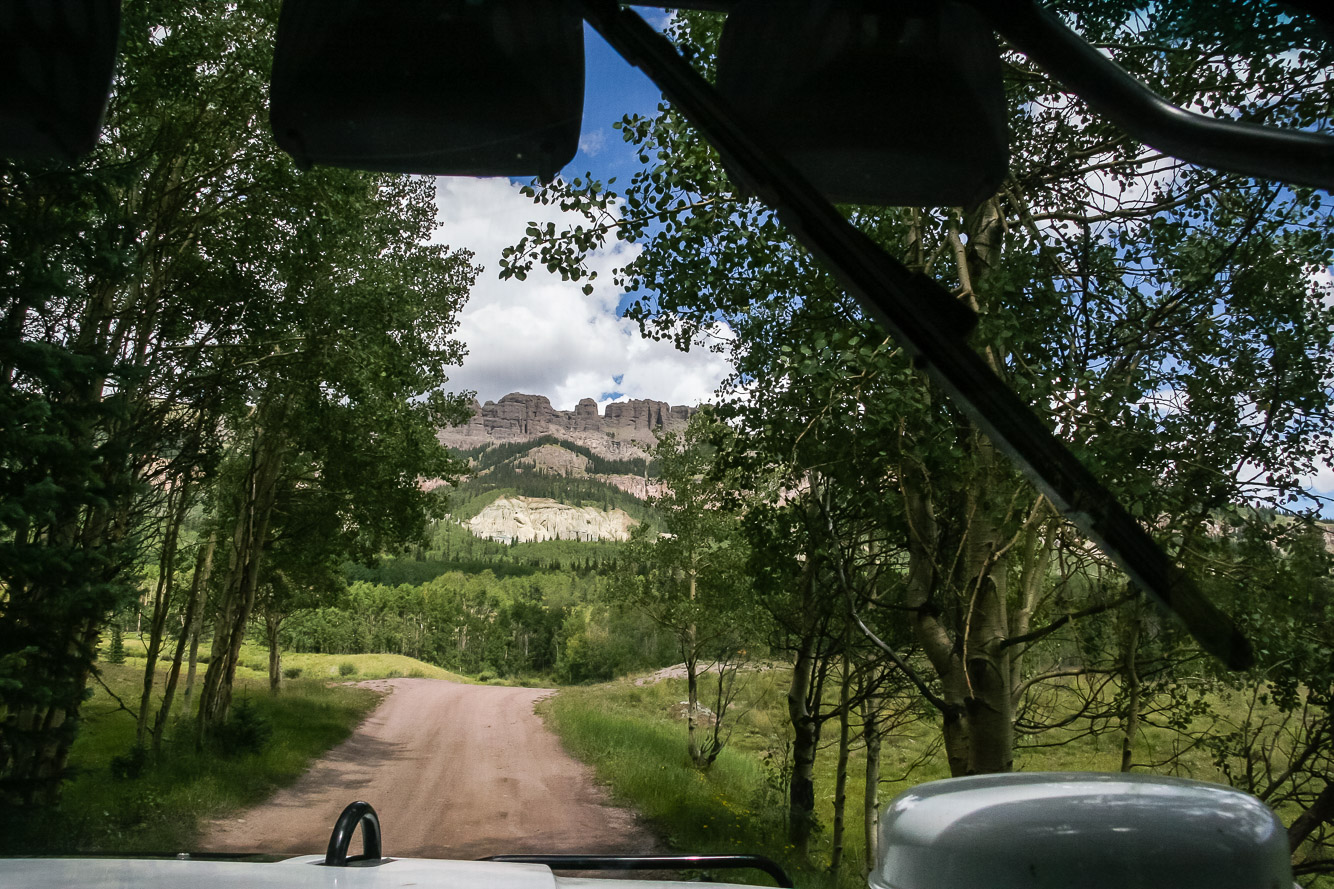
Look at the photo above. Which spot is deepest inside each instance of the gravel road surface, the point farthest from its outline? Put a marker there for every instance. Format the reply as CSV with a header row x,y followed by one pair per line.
x,y
454,771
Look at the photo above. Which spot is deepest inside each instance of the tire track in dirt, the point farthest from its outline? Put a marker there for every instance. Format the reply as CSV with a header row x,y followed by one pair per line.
x,y
454,771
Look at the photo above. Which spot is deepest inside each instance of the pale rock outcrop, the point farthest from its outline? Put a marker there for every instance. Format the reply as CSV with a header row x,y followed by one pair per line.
x,y
636,486
527,519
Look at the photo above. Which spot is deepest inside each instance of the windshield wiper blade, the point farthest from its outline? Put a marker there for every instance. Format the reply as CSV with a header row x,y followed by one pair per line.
x,y
928,322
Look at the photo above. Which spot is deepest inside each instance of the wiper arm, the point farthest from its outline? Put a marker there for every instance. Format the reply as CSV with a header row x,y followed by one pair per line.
x,y
930,324
1285,155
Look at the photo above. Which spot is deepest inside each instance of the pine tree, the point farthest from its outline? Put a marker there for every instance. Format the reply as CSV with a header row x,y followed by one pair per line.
x,y
116,651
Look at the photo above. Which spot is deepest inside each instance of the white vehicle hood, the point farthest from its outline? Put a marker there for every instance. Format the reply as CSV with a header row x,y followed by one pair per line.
x,y
305,872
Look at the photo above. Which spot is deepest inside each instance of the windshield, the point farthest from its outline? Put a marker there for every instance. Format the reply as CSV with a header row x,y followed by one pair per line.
x,y
656,504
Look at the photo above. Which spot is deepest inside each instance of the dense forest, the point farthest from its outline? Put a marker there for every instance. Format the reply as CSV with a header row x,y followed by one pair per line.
x,y
485,456
210,396
543,625
549,610
1171,323
476,492
217,404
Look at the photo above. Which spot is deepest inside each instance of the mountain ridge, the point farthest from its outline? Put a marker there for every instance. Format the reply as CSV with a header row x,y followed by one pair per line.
x,y
625,430
553,472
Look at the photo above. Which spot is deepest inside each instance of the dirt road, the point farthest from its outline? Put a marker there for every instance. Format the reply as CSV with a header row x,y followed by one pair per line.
x,y
454,771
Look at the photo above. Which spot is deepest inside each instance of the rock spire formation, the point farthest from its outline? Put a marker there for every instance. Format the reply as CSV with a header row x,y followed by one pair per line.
x,y
626,429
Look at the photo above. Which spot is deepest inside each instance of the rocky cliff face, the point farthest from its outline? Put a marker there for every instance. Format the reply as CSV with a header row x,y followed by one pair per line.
x,y
526,519
555,460
636,486
624,431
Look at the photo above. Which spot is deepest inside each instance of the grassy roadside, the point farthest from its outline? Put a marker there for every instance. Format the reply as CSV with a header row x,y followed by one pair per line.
x,y
626,732
634,738
162,809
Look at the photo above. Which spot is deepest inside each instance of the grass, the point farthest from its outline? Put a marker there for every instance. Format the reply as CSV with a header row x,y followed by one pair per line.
x,y
638,748
626,732
162,810
367,666
714,812
254,664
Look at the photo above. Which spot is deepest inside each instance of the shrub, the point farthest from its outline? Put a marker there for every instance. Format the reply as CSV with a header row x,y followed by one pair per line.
x,y
137,809
292,672
129,765
246,732
347,668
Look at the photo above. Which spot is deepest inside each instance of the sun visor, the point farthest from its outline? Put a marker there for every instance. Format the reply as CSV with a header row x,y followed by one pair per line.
x,y
876,103
57,58
443,87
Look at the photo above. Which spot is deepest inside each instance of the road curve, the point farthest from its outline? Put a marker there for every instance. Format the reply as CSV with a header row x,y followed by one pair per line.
x,y
454,771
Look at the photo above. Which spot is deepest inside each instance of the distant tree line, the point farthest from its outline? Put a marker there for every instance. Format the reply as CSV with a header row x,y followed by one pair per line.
x,y
485,456
477,492
453,545
546,623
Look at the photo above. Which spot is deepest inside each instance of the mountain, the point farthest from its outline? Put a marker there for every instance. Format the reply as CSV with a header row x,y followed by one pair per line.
x,y
537,473
626,429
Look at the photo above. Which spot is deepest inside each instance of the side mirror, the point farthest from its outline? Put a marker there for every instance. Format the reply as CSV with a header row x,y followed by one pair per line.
x,y
57,58
874,102
1093,831
444,87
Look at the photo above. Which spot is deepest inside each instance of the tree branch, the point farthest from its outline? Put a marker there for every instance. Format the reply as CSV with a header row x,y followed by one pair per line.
x,y
97,674
1064,619
935,700
1319,812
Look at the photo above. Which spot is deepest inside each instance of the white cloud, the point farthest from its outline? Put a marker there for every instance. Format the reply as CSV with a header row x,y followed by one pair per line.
x,y
1322,282
1322,481
1318,485
592,143
543,336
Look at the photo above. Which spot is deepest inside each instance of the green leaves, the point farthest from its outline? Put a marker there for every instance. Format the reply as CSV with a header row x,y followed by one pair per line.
x,y
1161,318
184,288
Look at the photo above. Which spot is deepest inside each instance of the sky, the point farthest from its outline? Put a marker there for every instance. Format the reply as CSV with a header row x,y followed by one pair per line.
x,y
546,337
543,336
